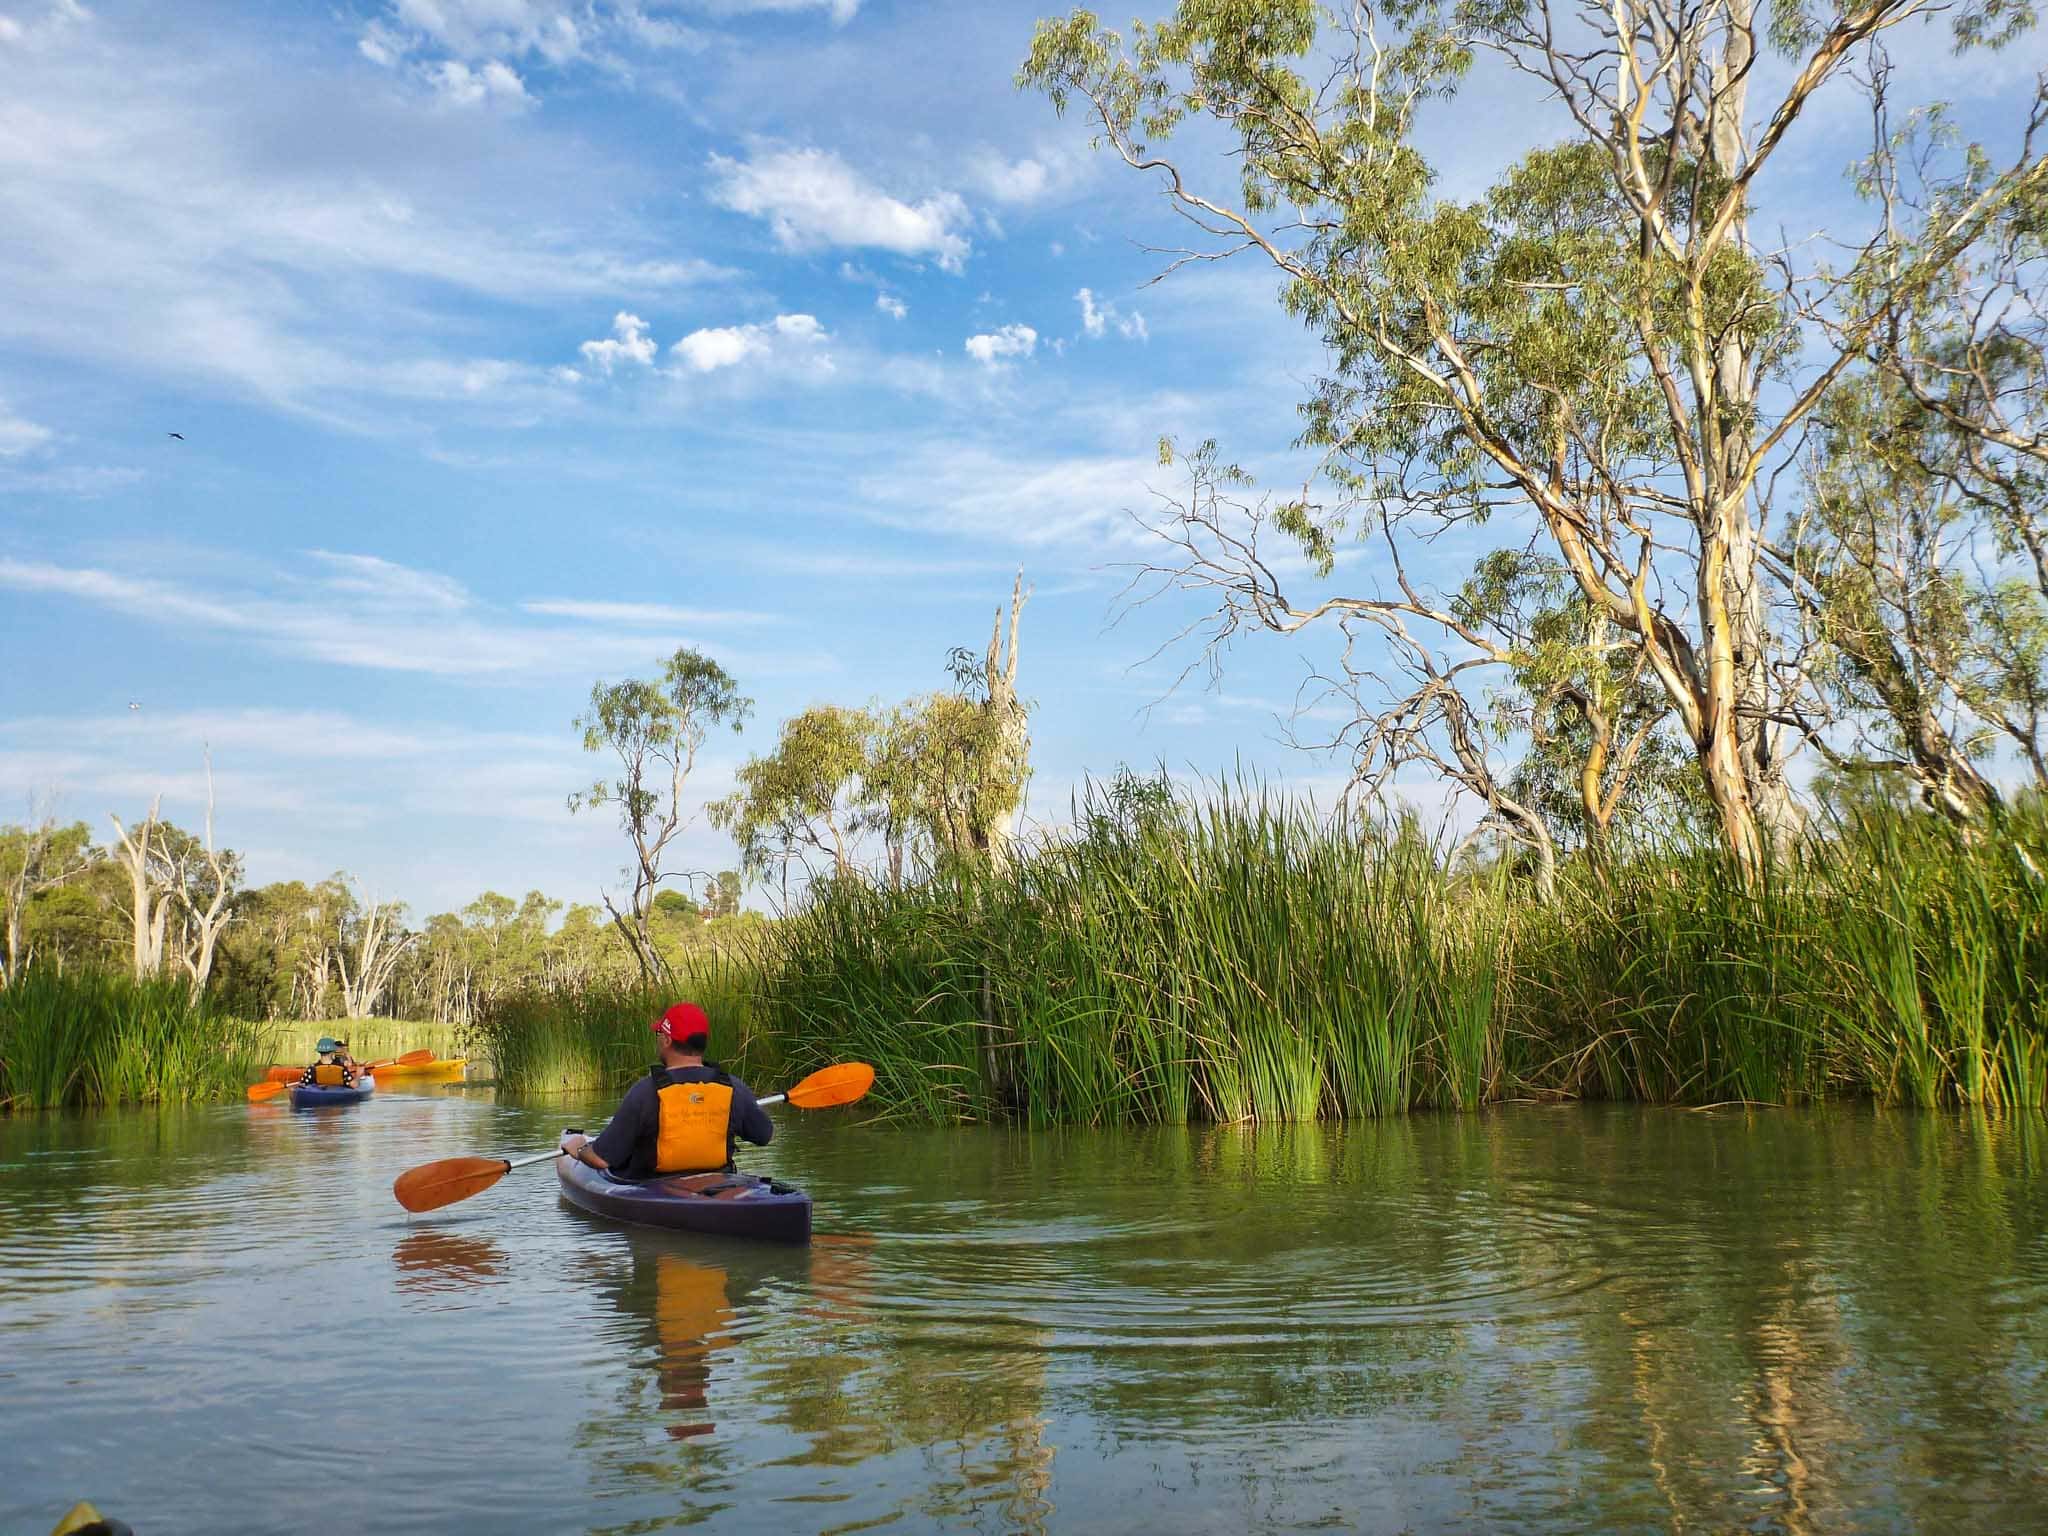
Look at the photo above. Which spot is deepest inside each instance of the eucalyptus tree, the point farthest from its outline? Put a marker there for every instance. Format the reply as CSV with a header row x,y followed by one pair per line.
x,y
1595,353
370,942
655,728
135,851
36,859
1929,526
803,799
1923,660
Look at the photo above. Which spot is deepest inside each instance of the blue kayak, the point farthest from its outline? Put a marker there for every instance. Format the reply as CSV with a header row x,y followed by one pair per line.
x,y
312,1097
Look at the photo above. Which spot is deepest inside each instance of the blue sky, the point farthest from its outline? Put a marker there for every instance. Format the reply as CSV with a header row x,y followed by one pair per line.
x,y
515,342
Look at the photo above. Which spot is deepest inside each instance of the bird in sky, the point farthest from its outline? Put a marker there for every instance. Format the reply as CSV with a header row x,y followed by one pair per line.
x,y
133,705
178,435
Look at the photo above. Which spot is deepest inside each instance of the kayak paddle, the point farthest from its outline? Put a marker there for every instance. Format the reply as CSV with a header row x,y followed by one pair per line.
x,y
433,1185
284,1077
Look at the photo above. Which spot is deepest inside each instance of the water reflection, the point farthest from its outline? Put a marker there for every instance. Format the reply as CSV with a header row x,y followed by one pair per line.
x,y
1541,1320
429,1261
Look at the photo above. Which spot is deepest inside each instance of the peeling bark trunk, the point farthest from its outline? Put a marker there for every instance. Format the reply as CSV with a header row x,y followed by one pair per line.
x,y
148,920
1003,779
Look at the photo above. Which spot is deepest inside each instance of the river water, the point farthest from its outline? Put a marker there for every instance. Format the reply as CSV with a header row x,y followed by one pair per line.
x,y
1545,1319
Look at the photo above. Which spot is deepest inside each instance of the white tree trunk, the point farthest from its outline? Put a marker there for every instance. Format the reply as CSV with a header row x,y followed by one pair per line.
x,y
134,854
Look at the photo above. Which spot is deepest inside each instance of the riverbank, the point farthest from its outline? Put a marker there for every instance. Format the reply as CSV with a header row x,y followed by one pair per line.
x,y
1242,959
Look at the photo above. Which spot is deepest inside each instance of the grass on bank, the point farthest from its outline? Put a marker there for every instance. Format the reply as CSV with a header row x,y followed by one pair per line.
x,y
95,1038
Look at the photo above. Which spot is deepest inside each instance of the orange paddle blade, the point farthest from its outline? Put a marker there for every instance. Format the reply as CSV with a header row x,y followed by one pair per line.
x,y
433,1185
258,1092
828,1086
412,1059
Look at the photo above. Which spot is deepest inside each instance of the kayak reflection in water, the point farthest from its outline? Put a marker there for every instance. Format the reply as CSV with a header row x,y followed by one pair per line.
x,y
680,1118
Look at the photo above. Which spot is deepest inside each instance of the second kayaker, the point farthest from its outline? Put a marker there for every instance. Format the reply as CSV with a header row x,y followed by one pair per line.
x,y
335,1068
683,1116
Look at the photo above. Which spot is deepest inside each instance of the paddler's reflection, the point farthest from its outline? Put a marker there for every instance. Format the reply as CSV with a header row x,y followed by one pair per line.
x,y
691,1314
428,1260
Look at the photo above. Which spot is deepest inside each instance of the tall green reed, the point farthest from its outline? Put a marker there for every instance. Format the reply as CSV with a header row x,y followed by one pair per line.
x,y
1239,957
97,1038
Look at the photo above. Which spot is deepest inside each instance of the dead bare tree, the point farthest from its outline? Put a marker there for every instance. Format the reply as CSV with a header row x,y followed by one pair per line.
x,y
999,798
147,915
210,874
377,951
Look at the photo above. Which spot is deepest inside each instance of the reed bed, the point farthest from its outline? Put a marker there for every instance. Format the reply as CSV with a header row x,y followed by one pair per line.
x,y
95,1038
565,1040
1241,958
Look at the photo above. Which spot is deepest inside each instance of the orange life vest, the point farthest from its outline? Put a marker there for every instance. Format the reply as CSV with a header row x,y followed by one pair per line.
x,y
331,1074
695,1128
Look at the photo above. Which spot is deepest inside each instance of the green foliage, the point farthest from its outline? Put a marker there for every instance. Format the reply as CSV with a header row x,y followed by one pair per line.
x,y
1242,959
800,797
652,724
95,1037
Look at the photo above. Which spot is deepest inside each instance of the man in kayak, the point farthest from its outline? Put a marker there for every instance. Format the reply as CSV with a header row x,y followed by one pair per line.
x,y
681,1117
335,1068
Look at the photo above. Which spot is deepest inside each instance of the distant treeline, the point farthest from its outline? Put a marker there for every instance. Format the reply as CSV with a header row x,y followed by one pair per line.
x,y
309,951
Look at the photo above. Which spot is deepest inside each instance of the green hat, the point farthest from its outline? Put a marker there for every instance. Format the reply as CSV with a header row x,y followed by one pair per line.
x,y
329,1043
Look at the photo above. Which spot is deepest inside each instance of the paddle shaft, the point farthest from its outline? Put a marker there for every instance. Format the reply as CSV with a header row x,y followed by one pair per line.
x,y
543,1157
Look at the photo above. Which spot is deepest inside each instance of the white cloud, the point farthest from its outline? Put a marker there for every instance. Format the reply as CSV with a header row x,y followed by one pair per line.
x,y
1096,319
483,29
1014,181
381,45
275,228
720,346
386,581
1011,341
28,31
645,615
840,11
726,346
993,498
885,301
491,82
367,612
811,199
628,343
18,434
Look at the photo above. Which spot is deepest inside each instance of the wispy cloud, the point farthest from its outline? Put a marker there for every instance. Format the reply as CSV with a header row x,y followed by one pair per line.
x,y
1098,317
814,200
277,228
1011,500
18,434
361,611
647,615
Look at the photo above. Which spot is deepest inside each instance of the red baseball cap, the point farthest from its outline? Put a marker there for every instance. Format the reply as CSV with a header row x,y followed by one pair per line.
x,y
682,1021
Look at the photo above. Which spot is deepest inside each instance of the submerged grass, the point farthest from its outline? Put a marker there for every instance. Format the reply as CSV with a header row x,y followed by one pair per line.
x,y
94,1038
1241,958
